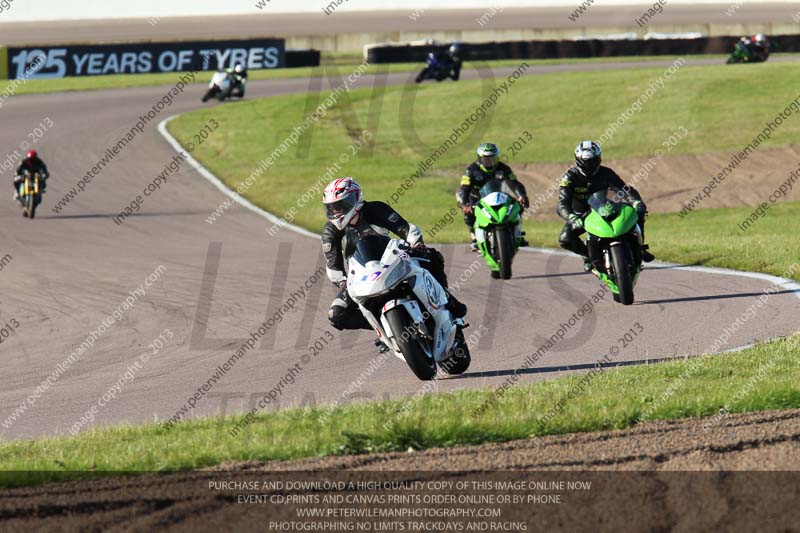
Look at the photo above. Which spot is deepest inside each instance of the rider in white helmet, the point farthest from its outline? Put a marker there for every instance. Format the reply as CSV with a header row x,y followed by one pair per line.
x,y
761,47
349,217
239,76
756,47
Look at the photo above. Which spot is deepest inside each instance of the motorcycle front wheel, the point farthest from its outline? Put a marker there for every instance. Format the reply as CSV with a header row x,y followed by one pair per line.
x,y
505,251
30,206
622,274
421,363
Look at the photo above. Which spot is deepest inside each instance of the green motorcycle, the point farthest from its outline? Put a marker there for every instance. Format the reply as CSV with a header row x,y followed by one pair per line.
x,y
497,227
614,240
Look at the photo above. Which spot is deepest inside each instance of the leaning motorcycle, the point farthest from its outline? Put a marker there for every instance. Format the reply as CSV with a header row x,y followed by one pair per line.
x,y
30,195
406,306
434,70
742,54
497,218
219,87
614,240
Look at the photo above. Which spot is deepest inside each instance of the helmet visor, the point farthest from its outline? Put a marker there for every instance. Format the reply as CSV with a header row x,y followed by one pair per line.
x,y
489,161
341,207
589,166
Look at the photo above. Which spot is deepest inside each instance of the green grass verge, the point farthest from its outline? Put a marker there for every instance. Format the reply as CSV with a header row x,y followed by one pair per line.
x,y
708,101
761,378
345,65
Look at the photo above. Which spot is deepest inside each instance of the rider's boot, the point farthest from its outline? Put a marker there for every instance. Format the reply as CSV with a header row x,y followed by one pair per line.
x,y
473,244
382,348
458,309
646,255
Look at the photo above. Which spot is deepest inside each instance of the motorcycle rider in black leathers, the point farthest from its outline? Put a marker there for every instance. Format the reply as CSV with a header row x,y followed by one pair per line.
x,y
477,174
33,164
757,47
454,58
451,58
578,183
238,74
349,217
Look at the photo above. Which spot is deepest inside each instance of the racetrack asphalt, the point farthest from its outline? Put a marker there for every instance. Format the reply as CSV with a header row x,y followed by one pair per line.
x,y
70,271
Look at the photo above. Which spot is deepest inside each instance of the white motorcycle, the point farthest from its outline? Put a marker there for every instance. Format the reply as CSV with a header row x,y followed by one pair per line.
x,y
406,306
220,86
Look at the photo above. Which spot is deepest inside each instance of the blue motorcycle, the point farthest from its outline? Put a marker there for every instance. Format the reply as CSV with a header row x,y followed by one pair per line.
x,y
436,69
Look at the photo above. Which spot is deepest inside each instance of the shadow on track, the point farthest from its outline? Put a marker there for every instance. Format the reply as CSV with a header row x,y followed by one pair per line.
x,y
115,215
713,297
558,275
581,273
566,368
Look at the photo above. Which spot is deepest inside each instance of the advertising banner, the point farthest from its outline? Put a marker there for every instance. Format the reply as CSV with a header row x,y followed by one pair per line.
x,y
37,62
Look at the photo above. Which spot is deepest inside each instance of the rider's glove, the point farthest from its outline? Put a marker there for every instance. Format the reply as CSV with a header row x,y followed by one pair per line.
x,y
639,206
524,202
575,221
467,208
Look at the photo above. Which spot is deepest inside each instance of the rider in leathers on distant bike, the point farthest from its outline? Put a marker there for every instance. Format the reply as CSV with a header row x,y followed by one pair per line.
x,y
451,58
239,75
350,217
578,183
33,164
757,47
487,167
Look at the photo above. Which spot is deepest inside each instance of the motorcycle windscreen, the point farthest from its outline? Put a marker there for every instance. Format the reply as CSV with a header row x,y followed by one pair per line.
x,y
609,217
370,248
602,201
494,185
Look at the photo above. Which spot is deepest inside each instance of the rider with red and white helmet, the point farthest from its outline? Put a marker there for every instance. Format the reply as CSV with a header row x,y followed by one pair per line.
x,y
757,47
350,217
761,46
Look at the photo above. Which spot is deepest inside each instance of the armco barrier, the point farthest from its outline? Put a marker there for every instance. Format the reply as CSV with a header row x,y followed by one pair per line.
x,y
302,58
564,49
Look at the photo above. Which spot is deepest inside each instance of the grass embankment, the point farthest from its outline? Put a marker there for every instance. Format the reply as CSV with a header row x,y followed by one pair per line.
x,y
707,101
761,378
